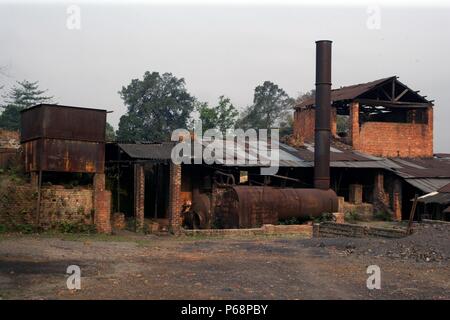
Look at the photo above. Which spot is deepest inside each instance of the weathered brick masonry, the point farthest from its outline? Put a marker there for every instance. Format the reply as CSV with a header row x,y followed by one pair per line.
x,y
384,139
175,218
139,196
304,123
102,203
387,139
58,205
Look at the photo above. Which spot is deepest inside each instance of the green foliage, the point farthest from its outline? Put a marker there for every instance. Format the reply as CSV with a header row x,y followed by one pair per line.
x,y
342,123
24,228
74,227
130,224
23,95
3,228
382,215
157,105
110,133
352,216
221,117
324,217
305,96
287,126
294,220
270,105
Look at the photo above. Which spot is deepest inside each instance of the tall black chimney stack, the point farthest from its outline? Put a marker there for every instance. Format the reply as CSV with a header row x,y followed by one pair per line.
x,y
323,114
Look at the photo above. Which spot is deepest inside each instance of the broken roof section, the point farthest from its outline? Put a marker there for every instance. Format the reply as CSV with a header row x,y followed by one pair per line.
x,y
428,175
387,92
288,156
148,151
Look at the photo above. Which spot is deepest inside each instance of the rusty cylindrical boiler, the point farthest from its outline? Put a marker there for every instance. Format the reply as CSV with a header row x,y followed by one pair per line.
x,y
253,206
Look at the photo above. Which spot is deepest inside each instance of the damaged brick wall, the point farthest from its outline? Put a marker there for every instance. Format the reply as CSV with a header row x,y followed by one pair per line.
x,y
404,140
58,205
304,124
389,139
66,205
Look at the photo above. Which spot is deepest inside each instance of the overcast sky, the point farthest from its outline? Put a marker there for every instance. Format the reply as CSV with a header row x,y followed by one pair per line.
x,y
223,50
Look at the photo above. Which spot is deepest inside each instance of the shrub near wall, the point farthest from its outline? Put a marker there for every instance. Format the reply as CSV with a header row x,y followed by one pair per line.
x,y
17,202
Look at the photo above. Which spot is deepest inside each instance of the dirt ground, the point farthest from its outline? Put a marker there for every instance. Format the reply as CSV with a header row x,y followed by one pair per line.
x,y
129,266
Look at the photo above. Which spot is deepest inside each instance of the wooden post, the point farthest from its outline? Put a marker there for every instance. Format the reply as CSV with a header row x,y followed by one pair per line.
x,y
38,209
411,215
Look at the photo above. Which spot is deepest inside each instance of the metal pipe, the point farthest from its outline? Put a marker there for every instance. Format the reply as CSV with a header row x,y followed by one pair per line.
x,y
322,115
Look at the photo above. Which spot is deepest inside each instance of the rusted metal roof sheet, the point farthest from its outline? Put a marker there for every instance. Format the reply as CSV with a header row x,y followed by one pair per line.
x,y
442,155
423,168
63,122
288,156
439,198
428,184
347,92
149,151
445,189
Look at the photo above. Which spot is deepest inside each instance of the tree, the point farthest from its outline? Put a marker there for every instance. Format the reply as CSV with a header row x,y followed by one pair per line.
x,y
23,95
221,117
305,96
110,133
156,105
270,105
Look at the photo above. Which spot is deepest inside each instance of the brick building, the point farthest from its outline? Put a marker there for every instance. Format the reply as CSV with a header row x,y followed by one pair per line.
x,y
385,119
361,112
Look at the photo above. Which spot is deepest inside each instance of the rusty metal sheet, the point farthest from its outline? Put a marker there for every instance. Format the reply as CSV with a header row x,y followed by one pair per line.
x,y
64,156
72,156
353,92
423,168
63,122
445,189
63,138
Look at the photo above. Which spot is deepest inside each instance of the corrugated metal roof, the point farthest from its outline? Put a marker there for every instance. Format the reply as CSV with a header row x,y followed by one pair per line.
x,y
356,91
423,168
347,92
288,156
428,184
440,198
150,151
445,189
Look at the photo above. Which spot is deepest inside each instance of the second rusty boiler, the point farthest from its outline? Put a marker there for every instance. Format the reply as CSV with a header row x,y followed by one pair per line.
x,y
253,206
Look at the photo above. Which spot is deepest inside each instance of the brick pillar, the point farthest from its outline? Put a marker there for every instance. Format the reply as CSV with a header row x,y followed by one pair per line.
x,y
175,218
397,200
354,124
102,204
356,194
430,132
397,206
333,122
139,196
380,197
